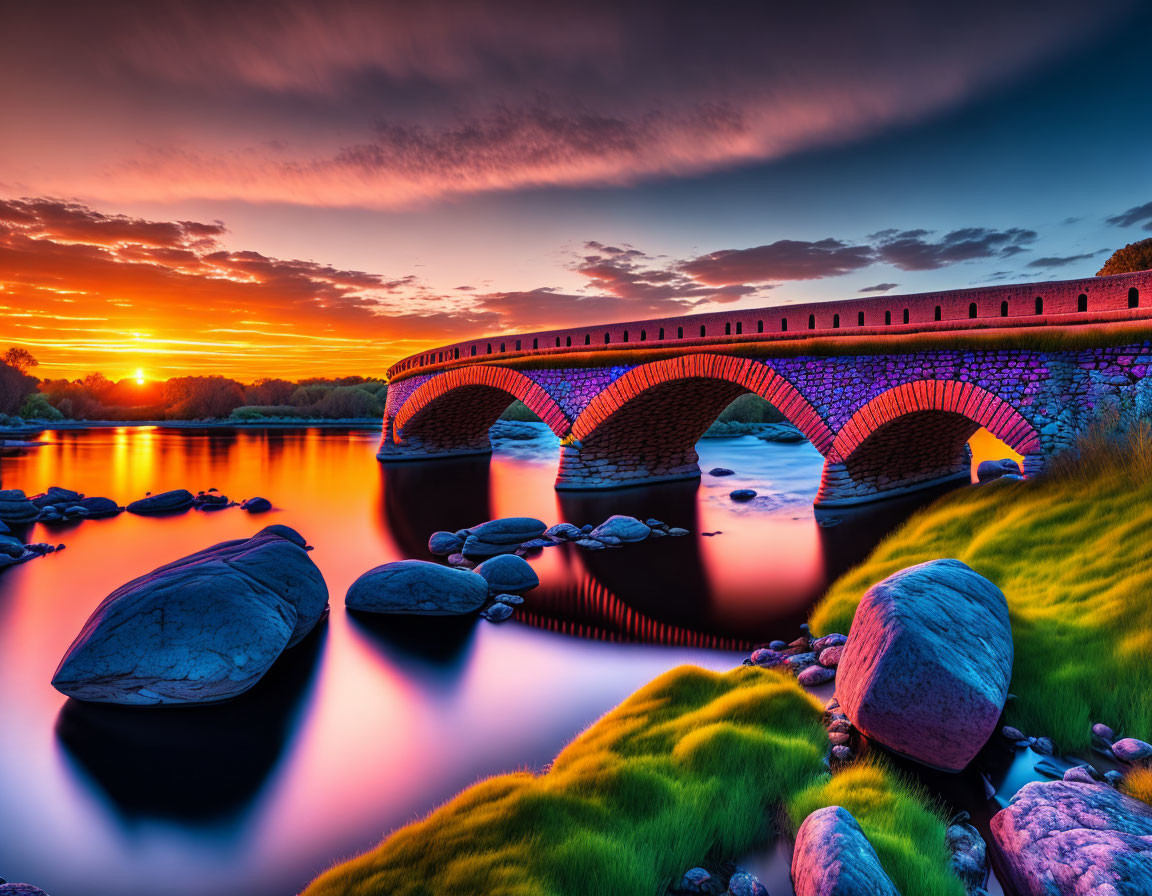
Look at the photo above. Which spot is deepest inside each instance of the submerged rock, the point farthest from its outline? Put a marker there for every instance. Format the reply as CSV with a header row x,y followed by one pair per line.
x,y
165,502
994,469
784,433
926,666
20,890
498,612
742,494
1060,838
833,858
507,573
257,505
203,628
417,587
625,528
721,471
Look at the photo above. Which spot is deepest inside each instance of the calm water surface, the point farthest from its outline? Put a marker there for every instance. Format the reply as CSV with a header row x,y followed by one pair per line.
x,y
367,724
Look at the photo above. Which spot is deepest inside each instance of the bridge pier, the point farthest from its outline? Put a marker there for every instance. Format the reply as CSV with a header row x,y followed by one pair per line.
x,y
584,469
415,448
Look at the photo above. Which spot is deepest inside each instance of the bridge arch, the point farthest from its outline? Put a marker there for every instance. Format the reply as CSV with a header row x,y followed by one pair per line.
x,y
916,435
643,428
451,413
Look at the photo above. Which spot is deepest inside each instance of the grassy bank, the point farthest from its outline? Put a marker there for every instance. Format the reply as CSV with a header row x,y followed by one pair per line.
x,y
1071,553
693,766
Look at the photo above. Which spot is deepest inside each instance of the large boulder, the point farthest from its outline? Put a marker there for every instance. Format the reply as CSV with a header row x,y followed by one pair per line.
x,y
15,508
626,528
20,890
165,502
444,543
508,573
926,666
1062,838
994,469
833,858
201,629
417,587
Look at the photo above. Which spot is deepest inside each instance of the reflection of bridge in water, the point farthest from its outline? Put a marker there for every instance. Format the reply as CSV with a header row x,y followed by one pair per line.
x,y
884,388
657,591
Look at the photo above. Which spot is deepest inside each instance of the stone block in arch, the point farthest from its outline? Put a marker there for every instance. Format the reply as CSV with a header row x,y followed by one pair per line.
x,y
511,382
754,376
966,399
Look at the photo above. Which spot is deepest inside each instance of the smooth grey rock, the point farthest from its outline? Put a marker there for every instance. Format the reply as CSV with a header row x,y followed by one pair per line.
x,y
534,543
15,508
1061,838
626,528
742,494
444,543
566,531
994,469
98,507
766,658
590,543
721,471
511,599
498,612
511,530
833,640
1082,774
1013,734
460,561
1043,745
1129,749
1103,732
508,573
842,753
201,629
833,857
11,546
257,505
926,666
677,532
419,588
165,502
830,656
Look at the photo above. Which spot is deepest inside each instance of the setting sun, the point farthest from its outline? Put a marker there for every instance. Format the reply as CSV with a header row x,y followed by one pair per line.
x,y
139,376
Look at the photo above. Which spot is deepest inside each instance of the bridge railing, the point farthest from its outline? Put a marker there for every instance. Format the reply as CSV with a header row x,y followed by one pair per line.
x,y
1088,300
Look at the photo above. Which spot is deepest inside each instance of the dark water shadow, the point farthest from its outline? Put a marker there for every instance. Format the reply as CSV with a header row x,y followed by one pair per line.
x,y
422,497
196,764
434,646
663,578
848,534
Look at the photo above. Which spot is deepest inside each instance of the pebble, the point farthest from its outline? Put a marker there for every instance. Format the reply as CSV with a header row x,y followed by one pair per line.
x,y
510,599
1082,774
677,531
590,543
830,656
498,612
1013,734
1103,732
842,753
721,471
744,884
742,494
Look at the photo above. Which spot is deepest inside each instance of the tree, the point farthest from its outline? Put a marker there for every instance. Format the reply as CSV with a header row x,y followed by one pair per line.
x,y
20,358
201,397
15,387
269,391
1132,258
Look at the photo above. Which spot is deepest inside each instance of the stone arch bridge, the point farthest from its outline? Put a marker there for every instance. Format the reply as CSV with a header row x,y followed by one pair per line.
x,y
888,389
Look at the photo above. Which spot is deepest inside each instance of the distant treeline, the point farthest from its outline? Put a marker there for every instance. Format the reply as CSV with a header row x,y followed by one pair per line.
x,y
95,397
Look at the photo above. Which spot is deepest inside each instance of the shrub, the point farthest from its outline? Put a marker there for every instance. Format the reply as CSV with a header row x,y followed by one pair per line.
x,y
36,407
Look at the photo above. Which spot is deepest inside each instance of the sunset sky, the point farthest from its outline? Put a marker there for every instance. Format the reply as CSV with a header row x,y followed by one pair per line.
x,y
320,188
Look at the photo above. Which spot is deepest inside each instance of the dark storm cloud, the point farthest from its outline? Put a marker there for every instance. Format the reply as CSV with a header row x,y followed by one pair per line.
x,y
1135,215
879,287
914,250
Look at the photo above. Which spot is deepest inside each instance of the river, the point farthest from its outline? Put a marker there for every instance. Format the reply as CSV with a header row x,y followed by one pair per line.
x,y
367,724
